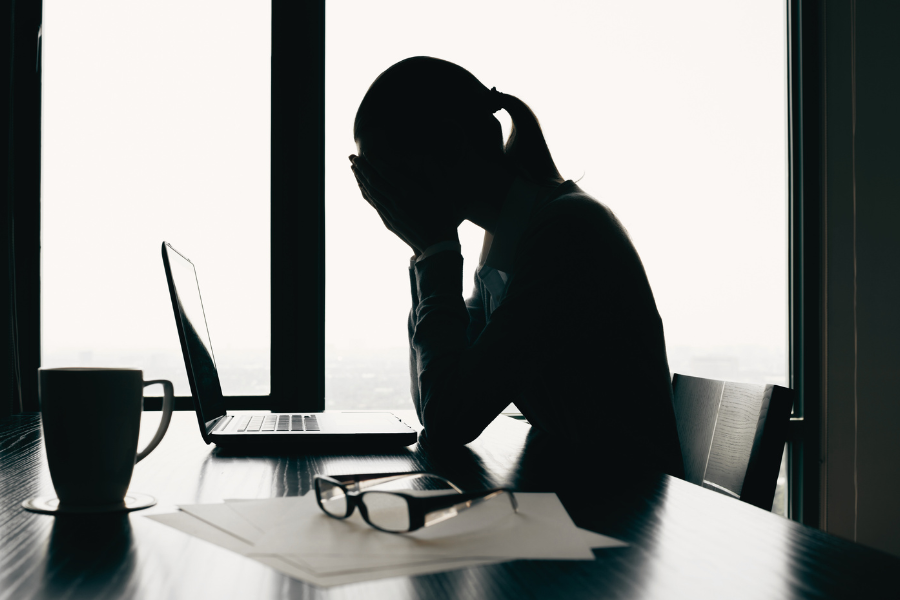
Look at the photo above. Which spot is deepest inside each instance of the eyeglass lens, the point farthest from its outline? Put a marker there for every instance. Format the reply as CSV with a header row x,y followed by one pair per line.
x,y
332,498
387,511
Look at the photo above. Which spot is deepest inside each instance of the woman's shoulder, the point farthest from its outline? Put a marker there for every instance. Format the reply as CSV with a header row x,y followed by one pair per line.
x,y
572,209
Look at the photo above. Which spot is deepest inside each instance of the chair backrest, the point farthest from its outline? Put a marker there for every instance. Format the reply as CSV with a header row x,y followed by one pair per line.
x,y
732,435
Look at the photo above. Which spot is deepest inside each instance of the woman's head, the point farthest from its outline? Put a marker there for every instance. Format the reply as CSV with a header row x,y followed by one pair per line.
x,y
425,107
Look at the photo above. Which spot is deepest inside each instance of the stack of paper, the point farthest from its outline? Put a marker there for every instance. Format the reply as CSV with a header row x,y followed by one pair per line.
x,y
294,536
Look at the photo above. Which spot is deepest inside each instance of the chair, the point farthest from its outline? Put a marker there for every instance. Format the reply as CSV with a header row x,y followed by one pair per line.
x,y
732,435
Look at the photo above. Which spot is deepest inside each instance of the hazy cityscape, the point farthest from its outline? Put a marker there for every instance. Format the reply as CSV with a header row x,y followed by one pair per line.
x,y
379,378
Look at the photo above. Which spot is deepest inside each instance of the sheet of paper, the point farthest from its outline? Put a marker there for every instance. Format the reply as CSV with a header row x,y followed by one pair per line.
x,y
223,517
230,526
541,529
246,519
194,527
267,514
335,564
293,566
598,540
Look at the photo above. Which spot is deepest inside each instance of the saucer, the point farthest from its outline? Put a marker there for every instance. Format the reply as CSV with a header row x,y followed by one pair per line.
x,y
49,505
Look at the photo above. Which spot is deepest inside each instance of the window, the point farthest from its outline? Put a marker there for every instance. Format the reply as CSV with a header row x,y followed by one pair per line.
x,y
678,126
156,128
618,88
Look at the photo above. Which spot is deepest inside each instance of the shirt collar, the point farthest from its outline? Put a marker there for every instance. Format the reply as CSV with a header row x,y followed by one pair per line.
x,y
499,250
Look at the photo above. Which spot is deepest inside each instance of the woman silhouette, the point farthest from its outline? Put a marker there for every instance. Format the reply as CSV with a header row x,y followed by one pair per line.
x,y
561,322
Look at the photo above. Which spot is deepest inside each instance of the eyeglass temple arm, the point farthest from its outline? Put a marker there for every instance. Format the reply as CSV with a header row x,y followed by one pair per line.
x,y
373,479
440,508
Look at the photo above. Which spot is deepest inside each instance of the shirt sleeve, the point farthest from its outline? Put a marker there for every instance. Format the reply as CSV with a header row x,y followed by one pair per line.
x,y
447,246
476,322
462,385
413,357
475,304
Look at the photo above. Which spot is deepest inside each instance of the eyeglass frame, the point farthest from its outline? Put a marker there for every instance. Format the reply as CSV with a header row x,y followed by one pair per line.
x,y
444,507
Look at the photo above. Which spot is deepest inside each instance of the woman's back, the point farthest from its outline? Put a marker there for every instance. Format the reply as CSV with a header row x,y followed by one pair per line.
x,y
603,381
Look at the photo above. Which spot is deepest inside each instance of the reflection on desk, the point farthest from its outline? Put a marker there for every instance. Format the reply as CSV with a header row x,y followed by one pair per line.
x,y
686,542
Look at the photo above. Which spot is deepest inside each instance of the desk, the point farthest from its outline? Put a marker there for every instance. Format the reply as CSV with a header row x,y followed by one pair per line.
x,y
686,542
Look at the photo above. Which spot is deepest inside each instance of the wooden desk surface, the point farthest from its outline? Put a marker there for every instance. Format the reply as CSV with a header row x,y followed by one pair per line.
x,y
686,542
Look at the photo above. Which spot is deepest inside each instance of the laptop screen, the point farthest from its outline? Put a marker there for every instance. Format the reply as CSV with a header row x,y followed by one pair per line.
x,y
195,342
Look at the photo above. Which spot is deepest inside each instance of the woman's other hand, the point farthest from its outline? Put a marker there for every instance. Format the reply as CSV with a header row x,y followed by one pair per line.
x,y
418,213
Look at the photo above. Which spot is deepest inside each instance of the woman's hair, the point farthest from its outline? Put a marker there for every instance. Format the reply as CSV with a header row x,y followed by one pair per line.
x,y
422,98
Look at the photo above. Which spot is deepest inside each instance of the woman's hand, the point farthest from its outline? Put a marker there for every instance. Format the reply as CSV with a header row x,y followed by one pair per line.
x,y
419,214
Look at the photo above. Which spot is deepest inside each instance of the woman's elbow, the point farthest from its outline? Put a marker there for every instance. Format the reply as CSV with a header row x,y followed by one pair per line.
x,y
447,432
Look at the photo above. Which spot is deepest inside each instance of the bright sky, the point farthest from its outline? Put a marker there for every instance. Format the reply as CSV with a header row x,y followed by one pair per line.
x,y
154,128
671,113
157,128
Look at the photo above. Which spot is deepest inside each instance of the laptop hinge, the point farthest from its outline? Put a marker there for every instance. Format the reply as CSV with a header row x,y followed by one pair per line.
x,y
212,425
222,424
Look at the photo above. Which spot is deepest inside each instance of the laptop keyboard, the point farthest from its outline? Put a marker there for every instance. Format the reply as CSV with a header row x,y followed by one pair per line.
x,y
265,423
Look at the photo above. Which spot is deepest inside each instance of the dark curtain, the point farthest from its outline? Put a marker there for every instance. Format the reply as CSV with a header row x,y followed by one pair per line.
x,y
21,177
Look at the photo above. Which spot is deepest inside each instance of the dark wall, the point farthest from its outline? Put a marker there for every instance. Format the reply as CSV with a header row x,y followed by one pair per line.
x,y
21,140
861,266
877,169
6,371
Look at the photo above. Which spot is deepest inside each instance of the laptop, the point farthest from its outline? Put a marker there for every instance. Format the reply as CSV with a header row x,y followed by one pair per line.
x,y
304,429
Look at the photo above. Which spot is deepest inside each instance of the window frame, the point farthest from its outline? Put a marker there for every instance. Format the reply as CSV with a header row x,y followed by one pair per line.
x,y
22,217
804,68
298,192
298,241
297,374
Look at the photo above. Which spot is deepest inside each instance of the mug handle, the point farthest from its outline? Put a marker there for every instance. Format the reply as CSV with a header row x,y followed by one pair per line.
x,y
168,402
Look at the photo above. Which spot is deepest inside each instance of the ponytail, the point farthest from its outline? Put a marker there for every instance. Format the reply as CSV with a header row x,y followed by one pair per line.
x,y
526,149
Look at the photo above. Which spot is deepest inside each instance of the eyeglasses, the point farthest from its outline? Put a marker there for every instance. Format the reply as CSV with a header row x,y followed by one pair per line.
x,y
396,512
